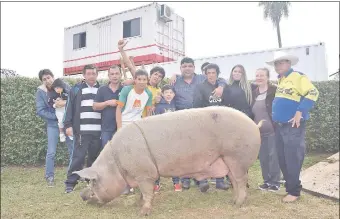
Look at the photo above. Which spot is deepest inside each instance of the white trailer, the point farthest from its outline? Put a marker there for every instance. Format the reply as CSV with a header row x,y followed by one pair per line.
x,y
155,34
312,62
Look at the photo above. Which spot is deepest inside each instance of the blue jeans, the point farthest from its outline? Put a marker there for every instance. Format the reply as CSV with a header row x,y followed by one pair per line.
x,y
106,136
52,142
188,180
219,180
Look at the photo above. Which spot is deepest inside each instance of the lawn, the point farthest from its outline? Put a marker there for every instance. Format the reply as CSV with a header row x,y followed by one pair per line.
x,y
24,194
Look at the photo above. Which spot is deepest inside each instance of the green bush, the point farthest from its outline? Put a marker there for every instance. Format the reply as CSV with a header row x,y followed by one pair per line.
x,y
23,133
323,128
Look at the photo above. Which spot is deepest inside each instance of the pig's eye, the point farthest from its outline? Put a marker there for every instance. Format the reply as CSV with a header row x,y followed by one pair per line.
x,y
93,182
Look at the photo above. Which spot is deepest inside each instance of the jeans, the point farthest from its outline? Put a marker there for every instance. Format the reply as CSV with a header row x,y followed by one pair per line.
x,y
188,180
52,142
269,160
106,136
290,144
219,180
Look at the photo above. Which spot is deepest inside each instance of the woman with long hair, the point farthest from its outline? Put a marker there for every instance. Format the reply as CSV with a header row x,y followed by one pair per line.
x,y
238,94
240,91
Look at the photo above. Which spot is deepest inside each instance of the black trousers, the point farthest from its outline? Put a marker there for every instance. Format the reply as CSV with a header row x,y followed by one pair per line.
x,y
291,148
82,144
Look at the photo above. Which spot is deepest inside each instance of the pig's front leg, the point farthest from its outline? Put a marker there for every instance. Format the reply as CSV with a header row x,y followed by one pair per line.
x,y
146,188
140,201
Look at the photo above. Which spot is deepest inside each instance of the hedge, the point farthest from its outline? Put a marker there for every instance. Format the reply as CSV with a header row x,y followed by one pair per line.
x,y
23,133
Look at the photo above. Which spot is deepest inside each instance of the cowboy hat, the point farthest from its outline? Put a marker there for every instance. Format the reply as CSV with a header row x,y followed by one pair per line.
x,y
279,55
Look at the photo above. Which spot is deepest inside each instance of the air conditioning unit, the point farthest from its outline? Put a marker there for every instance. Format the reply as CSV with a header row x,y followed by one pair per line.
x,y
166,13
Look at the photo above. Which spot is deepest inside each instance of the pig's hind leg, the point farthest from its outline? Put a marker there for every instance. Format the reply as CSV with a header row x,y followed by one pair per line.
x,y
146,188
239,177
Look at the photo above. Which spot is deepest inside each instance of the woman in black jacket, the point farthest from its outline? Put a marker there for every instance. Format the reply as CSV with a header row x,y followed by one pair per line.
x,y
238,94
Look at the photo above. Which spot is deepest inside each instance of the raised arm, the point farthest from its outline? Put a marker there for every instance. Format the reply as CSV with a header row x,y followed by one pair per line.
x,y
126,59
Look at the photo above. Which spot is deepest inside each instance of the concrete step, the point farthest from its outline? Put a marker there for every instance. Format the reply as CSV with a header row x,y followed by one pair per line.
x,y
322,179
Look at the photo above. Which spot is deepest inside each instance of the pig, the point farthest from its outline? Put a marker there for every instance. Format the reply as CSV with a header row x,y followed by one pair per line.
x,y
198,143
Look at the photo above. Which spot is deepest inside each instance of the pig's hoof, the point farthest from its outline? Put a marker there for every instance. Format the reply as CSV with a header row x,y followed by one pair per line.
x,y
238,203
145,211
140,203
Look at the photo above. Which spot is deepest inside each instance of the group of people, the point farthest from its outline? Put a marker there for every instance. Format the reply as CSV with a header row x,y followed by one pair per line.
x,y
87,115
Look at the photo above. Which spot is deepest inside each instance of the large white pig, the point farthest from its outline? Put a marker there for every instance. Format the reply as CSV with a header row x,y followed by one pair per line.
x,y
196,143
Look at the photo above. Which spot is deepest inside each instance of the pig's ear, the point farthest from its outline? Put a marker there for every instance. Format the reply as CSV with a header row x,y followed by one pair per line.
x,y
88,173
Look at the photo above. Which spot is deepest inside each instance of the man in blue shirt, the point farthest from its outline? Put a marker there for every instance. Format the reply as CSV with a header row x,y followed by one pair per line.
x,y
184,86
106,103
295,96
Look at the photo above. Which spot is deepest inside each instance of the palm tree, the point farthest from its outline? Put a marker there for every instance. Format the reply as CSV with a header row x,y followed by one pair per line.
x,y
275,11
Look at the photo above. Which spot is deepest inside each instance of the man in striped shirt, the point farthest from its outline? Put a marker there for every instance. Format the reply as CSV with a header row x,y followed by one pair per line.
x,y
83,123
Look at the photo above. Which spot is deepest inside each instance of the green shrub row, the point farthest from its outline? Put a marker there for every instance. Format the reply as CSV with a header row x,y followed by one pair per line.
x,y
23,133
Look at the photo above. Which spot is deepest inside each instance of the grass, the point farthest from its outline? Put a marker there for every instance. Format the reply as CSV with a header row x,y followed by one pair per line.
x,y
24,194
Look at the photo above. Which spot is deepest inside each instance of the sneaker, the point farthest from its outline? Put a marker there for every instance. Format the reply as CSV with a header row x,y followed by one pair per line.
x,y
186,185
69,189
62,137
273,188
222,186
196,182
213,181
264,186
50,181
177,187
227,181
204,186
156,188
126,191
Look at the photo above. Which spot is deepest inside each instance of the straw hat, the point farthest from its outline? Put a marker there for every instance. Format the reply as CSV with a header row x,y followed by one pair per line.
x,y
279,55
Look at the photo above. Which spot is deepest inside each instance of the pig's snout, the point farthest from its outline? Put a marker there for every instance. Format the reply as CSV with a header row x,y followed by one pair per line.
x,y
84,197
85,194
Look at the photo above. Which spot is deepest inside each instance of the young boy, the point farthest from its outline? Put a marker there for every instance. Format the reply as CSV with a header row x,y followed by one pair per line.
x,y
157,74
59,92
133,99
166,105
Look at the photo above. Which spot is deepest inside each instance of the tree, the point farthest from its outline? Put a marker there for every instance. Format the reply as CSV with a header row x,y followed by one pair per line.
x,y
275,11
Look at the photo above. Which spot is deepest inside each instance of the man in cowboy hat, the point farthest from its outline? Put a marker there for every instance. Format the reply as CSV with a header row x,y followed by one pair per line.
x,y
295,97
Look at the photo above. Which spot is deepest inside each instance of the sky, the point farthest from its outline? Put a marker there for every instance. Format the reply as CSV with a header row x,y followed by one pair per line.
x,y
32,33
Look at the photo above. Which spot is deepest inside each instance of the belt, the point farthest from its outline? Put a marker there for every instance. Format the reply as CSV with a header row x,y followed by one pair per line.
x,y
281,123
286,123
